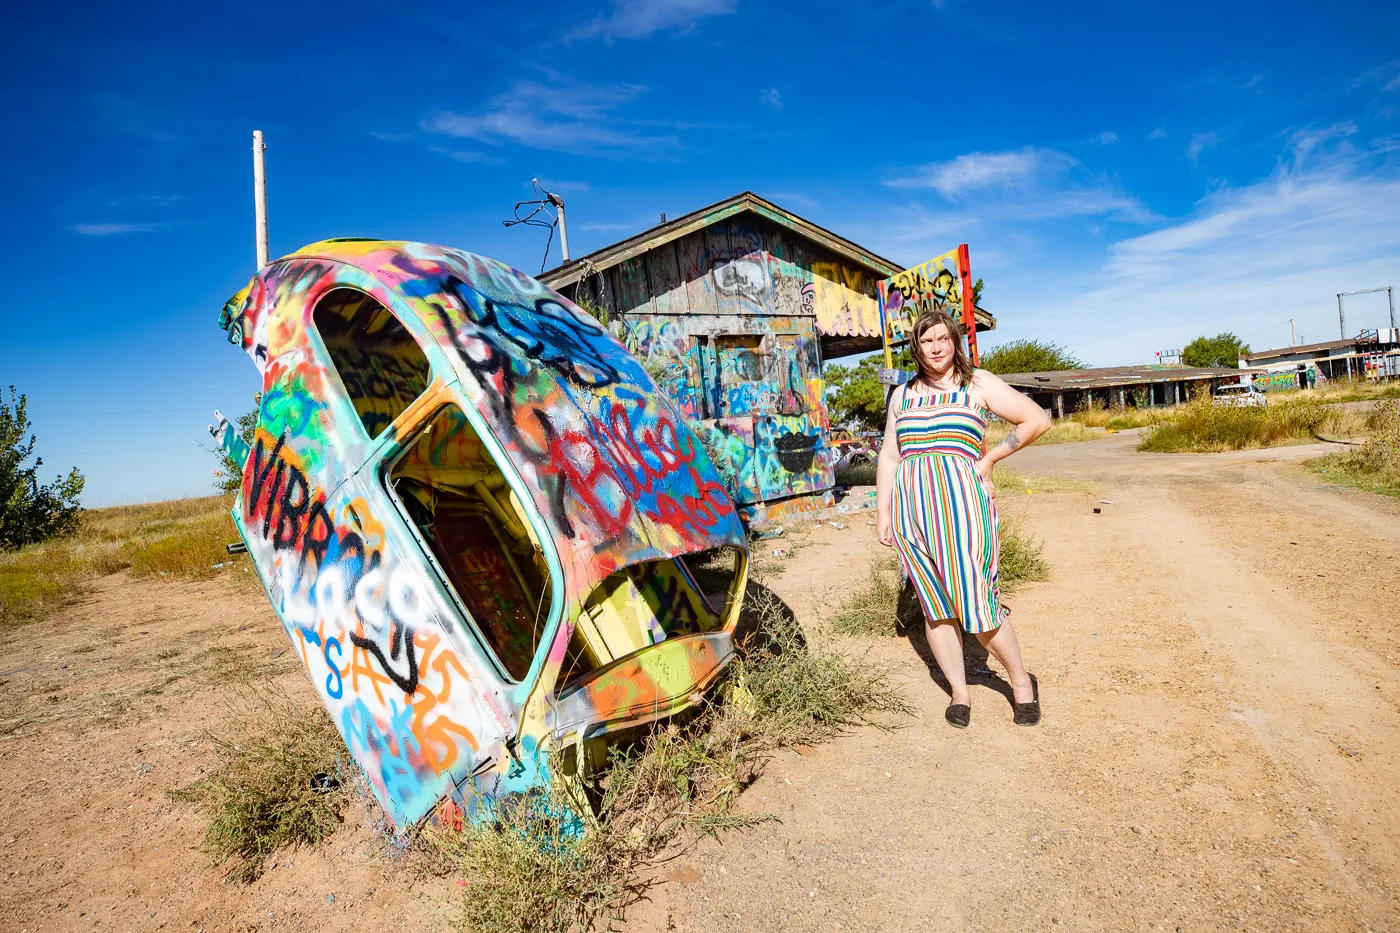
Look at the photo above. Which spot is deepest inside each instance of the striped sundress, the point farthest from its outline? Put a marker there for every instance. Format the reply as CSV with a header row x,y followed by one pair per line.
x,y
945,524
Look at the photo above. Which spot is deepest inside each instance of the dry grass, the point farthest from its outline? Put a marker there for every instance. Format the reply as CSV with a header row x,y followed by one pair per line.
x,y
281,781
182,538
1064,431
1202,426
873,609
1012,481
1336,391
550,862
1375,465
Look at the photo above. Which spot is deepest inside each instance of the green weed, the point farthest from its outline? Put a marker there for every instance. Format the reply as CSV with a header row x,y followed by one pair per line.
x,y
1375,465
1022,559
264,794
534,865
870,610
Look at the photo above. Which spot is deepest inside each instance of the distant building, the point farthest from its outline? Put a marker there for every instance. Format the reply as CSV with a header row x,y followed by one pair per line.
x,y
1067,390
734,308
1376,353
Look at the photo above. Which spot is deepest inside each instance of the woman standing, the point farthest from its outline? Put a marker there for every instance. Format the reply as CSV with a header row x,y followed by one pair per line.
x,y
936,504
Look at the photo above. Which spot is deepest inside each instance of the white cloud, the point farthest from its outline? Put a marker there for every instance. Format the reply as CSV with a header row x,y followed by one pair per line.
x,y
1304,141
1245,260
771,97
635,19
114,229
1387,75
1106,138
1033,183
1158,133
1254,81
467,155
1199,143
559,114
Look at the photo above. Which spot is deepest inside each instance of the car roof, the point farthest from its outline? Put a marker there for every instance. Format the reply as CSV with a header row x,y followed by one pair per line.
x,y
608,457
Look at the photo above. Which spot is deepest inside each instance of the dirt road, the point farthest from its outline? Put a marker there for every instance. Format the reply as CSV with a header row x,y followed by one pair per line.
x,y
1219,658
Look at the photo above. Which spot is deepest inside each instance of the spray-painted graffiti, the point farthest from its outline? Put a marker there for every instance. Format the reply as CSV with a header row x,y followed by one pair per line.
x,y
456,407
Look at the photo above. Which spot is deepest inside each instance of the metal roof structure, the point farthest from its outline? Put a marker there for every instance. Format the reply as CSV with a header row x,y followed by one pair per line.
x,y
1305,348
1113,376
878,266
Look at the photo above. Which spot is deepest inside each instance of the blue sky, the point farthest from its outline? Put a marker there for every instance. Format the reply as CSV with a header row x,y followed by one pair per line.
x,y
1128,176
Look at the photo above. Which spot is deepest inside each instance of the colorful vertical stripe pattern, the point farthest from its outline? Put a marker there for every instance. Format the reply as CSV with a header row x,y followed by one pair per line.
x,y
945,524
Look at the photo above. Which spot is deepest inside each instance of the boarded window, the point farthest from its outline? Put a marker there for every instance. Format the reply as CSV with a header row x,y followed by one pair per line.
x,y
380,364
471,521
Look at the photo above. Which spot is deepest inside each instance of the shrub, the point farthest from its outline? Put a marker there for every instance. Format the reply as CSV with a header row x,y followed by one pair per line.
x,y
270,788
803,694
29,512
1022,559
871,609
1375,464
856,474
531,864
1201,425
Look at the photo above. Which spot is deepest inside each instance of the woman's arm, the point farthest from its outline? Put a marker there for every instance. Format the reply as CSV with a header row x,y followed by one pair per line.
x,y
886,468
1028,420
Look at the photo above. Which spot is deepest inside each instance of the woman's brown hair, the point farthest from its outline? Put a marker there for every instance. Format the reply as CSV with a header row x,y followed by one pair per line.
x,y
962,366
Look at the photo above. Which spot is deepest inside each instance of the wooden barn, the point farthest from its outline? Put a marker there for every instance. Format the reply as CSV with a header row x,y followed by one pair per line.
x,y
734,308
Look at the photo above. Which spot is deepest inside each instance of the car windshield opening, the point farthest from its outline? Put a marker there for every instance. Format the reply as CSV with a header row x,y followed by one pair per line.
x,y
478,531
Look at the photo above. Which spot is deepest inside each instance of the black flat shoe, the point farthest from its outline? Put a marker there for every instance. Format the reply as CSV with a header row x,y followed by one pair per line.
x,y
958,715
1027,714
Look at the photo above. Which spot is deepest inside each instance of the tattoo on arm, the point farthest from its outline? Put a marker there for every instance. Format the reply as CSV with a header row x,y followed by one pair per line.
x,y
1011,442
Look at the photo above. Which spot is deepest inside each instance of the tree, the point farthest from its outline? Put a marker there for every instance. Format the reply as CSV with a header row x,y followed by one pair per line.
x,y
1220,350
855,396
229,477
30,513
1029,356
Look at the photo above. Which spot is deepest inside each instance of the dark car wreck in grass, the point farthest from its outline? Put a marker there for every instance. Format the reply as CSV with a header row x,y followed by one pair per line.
x,y
471,508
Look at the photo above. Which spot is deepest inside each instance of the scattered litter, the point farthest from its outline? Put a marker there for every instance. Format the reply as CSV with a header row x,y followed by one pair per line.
x,y
839,526
221,565
870,521
1106,501
780,552
330,898
777,531
843,508
1097,511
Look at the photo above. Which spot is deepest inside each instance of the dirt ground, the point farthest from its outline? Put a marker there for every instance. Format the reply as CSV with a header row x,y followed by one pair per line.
x,y
1218,653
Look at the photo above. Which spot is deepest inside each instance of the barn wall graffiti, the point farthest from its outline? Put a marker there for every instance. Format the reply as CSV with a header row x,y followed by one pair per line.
x,y
729,320
566,446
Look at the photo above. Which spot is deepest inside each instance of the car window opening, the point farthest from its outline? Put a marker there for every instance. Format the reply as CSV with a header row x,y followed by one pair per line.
x,y
647,603
380,364
458,500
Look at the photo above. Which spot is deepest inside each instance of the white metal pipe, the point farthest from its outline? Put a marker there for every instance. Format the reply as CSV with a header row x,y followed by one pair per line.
x,y
260,197
563,231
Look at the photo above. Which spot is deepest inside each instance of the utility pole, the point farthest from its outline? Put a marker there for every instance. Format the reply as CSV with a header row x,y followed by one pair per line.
x,y
1293,329
260,196
1341,316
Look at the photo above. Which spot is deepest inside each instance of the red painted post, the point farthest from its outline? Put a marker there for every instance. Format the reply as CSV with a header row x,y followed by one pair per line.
x,y
969,302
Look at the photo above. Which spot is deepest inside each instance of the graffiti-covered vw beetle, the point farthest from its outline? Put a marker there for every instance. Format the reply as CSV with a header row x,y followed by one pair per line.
x,y
472,510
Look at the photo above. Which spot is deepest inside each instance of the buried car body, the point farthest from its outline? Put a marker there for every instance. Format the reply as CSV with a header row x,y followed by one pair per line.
x,y
476,517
